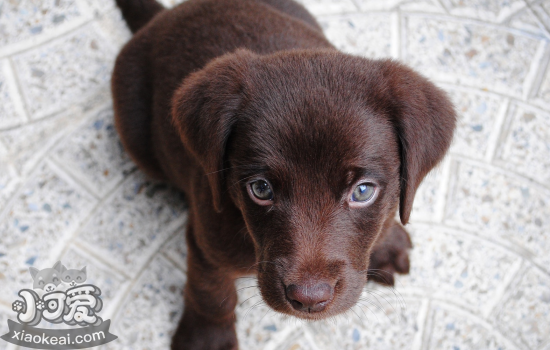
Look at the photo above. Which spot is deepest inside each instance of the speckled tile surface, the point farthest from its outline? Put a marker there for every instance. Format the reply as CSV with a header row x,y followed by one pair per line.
x,y
480,276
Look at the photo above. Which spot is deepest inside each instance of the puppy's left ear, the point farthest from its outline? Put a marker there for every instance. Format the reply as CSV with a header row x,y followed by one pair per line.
x,y
424,119
204,109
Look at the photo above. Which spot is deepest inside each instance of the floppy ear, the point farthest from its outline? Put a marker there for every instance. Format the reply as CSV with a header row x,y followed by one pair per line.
x,y
204,109
424,119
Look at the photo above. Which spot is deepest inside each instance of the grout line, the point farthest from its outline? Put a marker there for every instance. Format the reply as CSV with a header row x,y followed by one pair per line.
x,y
173,236
33,43
21,98
541,16
478,22
506,172
67,178
96,255
459,311
491,308
537,67
422,319
470,232
14,90
114,311
539,72
403,36
76,178
445,5
502,19
356,4
449,191
544,345
443,189
395,18
498,134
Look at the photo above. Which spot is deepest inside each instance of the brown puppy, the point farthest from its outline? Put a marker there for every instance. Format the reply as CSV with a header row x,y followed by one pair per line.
x,y
294,157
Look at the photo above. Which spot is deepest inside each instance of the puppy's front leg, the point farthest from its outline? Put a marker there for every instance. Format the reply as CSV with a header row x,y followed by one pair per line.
x,y
208,321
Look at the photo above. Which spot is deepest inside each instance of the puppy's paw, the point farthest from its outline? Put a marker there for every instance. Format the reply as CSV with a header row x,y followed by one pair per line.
x,y
390,256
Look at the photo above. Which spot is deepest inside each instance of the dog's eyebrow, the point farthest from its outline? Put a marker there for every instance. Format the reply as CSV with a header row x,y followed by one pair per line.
x,y
251,169
356,173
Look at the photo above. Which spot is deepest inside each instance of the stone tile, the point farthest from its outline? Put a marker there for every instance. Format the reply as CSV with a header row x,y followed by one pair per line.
x,y
134,222
11,107
407,5
326,7
526,21
448,50
47,208
429,6
366,35
257,324
151,310
525,145
104,277
543,95
113,26
100,7
296,341
26,145
94,153
426,201
8,181
70,68
375,324
453,329
489,10
448,264
373,5
175,249
501,207
5,314
26,19
477,116
524,314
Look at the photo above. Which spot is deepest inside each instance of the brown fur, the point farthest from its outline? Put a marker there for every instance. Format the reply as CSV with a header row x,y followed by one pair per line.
x,y
215,93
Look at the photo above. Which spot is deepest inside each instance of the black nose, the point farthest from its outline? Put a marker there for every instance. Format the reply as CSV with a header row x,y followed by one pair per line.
x,y
309,298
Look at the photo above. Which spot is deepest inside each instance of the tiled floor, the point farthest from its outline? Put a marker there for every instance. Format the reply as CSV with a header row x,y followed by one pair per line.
x,y
480,274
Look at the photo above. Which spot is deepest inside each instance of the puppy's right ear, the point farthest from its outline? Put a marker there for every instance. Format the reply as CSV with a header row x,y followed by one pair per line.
x,y
204,109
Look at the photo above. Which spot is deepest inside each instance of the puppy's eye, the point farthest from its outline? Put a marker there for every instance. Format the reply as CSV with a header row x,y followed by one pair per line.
x,y
261,190
55,279
41,283
78,278
67,277
363,192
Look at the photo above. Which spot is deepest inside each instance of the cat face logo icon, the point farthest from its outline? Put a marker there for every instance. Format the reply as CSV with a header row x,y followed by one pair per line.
x,y
59,295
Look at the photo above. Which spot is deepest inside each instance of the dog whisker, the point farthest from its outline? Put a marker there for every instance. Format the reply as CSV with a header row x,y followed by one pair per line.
x,y
395,292
378,307
253,307
359,304
376,295
255,295
359,317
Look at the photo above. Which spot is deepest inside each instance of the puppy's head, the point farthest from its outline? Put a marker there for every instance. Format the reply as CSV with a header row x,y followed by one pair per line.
x,y
317,149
